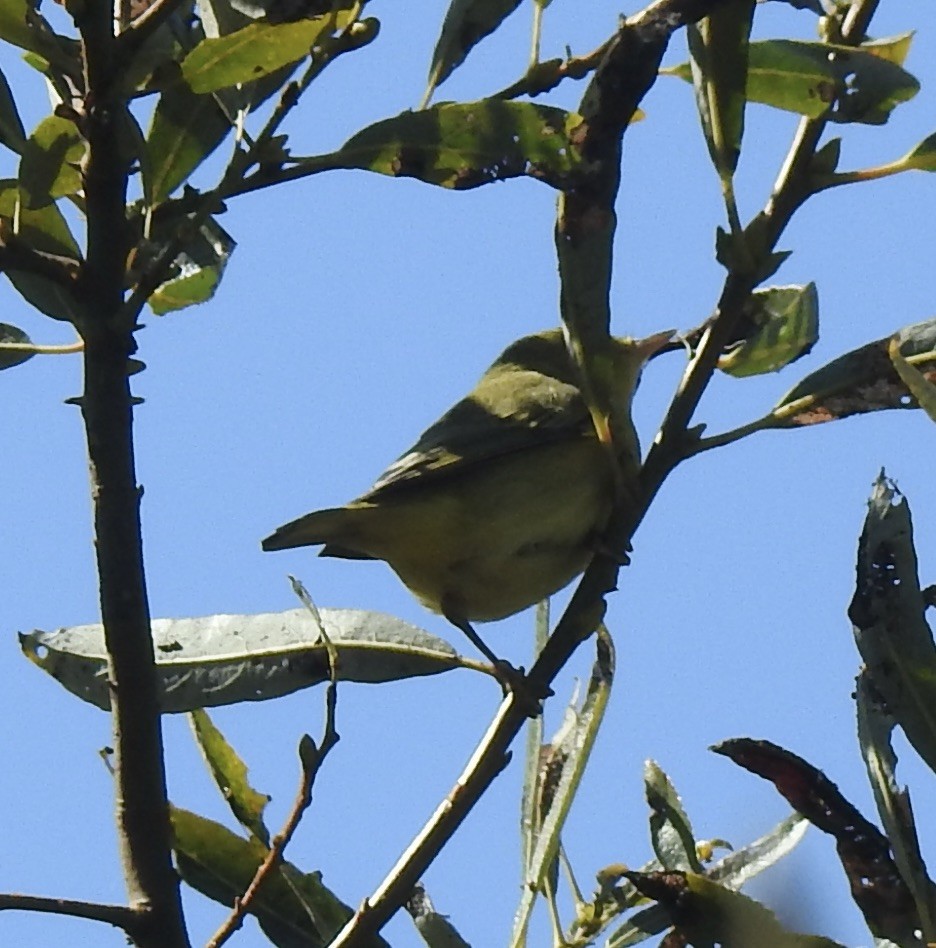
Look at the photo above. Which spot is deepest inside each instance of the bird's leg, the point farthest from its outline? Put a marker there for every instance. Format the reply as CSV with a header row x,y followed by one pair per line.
x,y
512,680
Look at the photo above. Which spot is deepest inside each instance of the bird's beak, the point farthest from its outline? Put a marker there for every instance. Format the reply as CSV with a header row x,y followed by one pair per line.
x,y
652,345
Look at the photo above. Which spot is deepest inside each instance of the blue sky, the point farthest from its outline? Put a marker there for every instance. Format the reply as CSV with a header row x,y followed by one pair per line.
x,y
355,310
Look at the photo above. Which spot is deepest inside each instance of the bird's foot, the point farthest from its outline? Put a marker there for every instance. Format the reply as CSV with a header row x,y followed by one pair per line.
x,y
528,694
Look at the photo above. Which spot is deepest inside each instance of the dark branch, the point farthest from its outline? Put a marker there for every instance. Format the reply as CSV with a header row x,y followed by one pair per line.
x,y
120,916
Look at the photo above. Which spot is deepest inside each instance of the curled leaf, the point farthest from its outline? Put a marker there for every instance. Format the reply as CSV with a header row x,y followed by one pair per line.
x,y
783,326
876,885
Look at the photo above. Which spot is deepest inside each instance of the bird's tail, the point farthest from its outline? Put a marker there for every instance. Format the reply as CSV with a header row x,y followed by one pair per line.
x,y
334,527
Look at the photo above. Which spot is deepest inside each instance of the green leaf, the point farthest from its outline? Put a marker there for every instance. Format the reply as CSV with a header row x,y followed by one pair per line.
x,y
186,128
919,386
861,381
892,48
254,51
13,23
13,336
50,163
565,759
732,871
230,774
293,908
800,77
826,159
466,23
706,913
888,615
670,829
45,295
874,736
219,660
198,267
718,47
923,156
466,145
12,133
435,930
532,770
742,865
42,228
783,326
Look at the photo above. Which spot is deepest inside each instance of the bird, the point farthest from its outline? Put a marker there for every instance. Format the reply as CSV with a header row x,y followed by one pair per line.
x,y
503,500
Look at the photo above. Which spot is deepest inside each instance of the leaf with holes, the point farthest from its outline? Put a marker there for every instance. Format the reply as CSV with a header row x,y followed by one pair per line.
x,y
801,77
466,145
861,381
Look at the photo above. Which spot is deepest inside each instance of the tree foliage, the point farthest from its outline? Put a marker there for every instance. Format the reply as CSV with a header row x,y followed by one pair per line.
x,y
163,115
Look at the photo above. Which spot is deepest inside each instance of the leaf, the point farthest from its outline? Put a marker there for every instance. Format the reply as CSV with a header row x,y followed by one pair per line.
x,y
718,47
670,830
50,163
826,159
783,326
923,156
732,871
892,48
874,730
742,865
466,23
923,390
13,335
565,759
43,228
876,884
434,929
466,145
888,616
45,294
198,268
186,128
705,913
254,51
532,770
861,381
14,27
220,865
12,133
218,660
800,77
230,774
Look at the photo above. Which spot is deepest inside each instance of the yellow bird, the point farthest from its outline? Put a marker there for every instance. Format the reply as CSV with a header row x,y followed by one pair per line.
x,y
504,500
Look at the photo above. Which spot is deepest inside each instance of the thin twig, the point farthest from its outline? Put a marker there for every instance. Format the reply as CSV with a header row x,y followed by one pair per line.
x,y
312,757
120,916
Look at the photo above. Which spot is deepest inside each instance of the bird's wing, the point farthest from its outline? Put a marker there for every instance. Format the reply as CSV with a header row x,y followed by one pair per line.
x,y
506,414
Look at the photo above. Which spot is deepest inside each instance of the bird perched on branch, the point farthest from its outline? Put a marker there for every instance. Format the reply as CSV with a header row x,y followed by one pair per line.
x,y
504,500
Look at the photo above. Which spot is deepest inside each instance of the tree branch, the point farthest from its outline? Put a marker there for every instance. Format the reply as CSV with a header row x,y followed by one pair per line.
x,y
626,73
120,916
106,404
